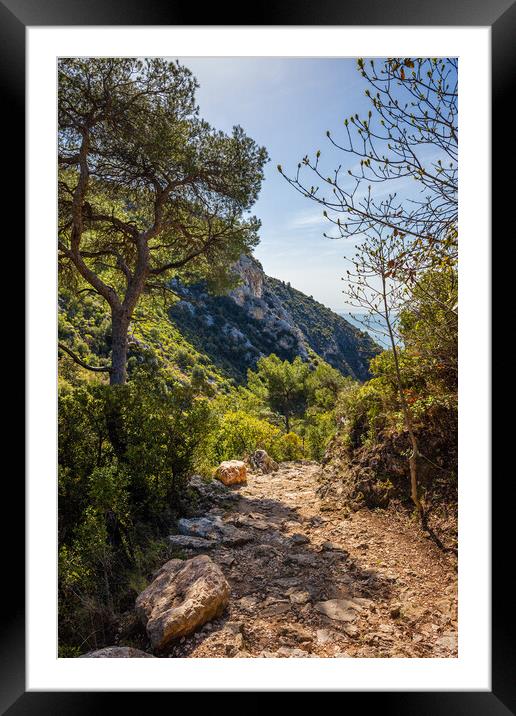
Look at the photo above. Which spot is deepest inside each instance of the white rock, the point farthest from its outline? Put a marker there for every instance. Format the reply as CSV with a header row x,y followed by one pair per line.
x,y
212,528
337,609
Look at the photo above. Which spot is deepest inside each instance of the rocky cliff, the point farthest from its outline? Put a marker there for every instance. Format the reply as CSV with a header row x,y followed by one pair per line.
x,y
263,315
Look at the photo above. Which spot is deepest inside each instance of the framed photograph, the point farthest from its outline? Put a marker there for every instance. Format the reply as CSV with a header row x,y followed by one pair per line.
x,y
258,267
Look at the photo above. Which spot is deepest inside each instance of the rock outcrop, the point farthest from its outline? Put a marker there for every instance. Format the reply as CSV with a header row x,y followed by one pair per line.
x,y
232,472
211,492
252,280
117,652
260,461
338,609
191,542
212,528
182,597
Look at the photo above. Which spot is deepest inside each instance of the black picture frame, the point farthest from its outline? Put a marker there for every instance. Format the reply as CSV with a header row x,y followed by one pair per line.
x,y
15,16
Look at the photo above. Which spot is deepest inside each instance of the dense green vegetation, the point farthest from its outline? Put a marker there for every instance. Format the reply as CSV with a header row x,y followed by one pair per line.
x,y
368,456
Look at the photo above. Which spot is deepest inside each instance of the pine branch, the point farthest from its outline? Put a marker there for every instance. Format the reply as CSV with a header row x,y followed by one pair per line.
x,y
95,369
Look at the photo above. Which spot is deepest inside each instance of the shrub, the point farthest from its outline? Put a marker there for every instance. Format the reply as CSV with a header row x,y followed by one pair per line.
x,y
318,433
287,447
240,434
124,455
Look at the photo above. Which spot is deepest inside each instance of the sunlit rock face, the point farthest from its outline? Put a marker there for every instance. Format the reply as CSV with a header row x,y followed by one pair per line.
x,y
252,276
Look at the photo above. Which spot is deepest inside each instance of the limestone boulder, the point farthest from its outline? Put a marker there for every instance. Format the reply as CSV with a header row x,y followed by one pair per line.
x,y
117,652
232,472
182,597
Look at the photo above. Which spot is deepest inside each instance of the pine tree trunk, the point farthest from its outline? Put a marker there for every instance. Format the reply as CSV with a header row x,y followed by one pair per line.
x,y
118,376
119,328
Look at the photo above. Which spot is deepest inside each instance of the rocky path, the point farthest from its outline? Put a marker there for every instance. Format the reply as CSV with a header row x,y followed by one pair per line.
x,y
312,584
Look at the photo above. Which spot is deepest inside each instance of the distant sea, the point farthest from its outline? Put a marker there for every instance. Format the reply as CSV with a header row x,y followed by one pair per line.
x,y
379,335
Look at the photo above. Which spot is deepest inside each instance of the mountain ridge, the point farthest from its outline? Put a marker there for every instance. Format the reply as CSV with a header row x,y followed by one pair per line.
x,y
264,315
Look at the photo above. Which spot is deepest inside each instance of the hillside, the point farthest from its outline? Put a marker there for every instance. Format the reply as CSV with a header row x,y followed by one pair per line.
x,y
264,315
84,327
222,335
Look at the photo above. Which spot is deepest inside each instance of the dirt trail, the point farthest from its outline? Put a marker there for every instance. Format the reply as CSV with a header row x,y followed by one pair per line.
x,y
396,592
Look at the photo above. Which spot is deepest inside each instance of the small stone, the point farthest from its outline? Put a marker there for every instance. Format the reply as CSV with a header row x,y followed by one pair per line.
x,y
330,546
337,609
350,629
226,559
300,597
385,628
304,560
247,603
289,653
323,636
233,627
260,460
276,609
287,581
448,642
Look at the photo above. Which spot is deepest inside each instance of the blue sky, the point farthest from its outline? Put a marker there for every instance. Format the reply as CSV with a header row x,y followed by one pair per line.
x,y
287,105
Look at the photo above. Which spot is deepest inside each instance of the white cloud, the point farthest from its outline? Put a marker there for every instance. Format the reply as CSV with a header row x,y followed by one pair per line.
x,y
308,221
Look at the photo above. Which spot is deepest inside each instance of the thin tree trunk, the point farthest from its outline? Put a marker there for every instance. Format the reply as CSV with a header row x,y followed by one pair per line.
x,y
406,412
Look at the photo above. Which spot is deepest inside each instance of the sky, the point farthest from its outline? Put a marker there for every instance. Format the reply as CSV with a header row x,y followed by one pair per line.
x,y
287,105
